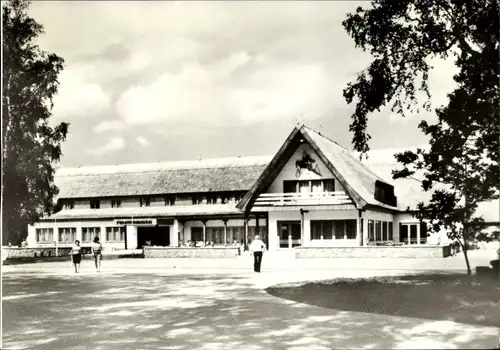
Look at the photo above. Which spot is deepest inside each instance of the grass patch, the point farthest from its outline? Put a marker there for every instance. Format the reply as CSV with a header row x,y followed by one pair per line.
x,y
450,297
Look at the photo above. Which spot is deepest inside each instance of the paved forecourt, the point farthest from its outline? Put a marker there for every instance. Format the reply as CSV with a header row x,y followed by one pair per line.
x,y
136,303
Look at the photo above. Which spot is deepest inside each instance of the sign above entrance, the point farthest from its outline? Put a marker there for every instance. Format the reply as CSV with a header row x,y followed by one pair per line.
x,y
136,222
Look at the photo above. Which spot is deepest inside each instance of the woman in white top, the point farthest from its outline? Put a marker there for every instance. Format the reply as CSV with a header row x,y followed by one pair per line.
x,y
76,255
97,253
257,247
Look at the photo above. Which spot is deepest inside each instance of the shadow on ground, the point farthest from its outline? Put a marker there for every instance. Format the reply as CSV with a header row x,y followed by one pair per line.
x,y
452,297
192,312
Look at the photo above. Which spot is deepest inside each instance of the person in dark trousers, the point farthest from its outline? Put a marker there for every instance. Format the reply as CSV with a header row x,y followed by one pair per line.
x,y
76,255
257,248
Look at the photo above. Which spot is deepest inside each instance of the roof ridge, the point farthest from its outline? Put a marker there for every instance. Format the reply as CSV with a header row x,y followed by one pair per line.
x,y
326,137
89,173
209,163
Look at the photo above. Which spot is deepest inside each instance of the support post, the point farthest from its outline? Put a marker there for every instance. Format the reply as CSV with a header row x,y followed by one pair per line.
x,y
204,232
418,234
359,228
245,239
182,235
225,232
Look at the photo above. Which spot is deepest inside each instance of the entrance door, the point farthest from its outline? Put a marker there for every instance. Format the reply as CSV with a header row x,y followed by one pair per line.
x,y
153,235
289,233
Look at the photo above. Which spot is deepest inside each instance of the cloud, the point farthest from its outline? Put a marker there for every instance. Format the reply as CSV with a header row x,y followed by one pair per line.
x,y
109,125
142,141
115,144
237,88
78,96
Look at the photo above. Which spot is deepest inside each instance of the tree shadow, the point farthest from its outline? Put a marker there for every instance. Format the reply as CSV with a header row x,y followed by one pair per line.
x,y
162,311
446,297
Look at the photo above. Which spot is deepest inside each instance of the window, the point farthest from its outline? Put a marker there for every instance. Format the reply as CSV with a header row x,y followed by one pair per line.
x,y
212,200
371,231
116,203
307,186
169,200
290,186
69,204
408,233
197,199
235,233
45,235
328,185
215,234
67,234
321,229
327,229
413,233
316,186
225,199
197,234
423,233
403,233
378,231
95,204
304,186
89,233
338,227
145,202
350,226
115,234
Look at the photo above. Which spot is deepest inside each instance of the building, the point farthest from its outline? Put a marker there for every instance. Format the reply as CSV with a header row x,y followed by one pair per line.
x,y
312,193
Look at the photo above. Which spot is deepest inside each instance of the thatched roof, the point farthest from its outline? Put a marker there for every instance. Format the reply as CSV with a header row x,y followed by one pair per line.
x,y
228,174
409,191
357,179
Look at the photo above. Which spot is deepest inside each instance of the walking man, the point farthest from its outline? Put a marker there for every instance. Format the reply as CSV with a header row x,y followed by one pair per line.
x,y
257,248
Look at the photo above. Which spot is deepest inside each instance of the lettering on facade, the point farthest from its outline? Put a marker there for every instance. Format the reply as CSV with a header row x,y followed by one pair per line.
x,y
138,222
308,163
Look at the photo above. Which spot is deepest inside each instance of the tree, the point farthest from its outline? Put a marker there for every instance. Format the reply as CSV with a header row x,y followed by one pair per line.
x,y
402,36
30,145
465,142
464,178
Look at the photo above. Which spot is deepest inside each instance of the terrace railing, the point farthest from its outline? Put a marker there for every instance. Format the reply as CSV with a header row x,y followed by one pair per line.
x,y
311,198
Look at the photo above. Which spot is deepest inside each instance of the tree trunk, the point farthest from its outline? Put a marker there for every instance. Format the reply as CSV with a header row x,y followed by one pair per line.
x,y
464,249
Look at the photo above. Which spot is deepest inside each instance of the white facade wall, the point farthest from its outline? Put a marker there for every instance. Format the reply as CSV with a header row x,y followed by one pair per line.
x,y
289,171
55,225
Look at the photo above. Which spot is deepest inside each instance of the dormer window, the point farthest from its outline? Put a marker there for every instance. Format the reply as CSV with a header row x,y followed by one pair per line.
x,y
145,202
169,200
95,204
69,204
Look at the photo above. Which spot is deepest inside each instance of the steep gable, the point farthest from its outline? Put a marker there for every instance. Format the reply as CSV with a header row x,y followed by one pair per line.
x,y
360,183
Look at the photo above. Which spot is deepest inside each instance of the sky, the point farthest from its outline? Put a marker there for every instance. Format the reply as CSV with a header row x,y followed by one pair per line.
x,y
158,81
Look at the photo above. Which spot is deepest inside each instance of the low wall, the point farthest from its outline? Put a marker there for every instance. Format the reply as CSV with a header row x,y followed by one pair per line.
x,y
37,252
175,252
373,252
